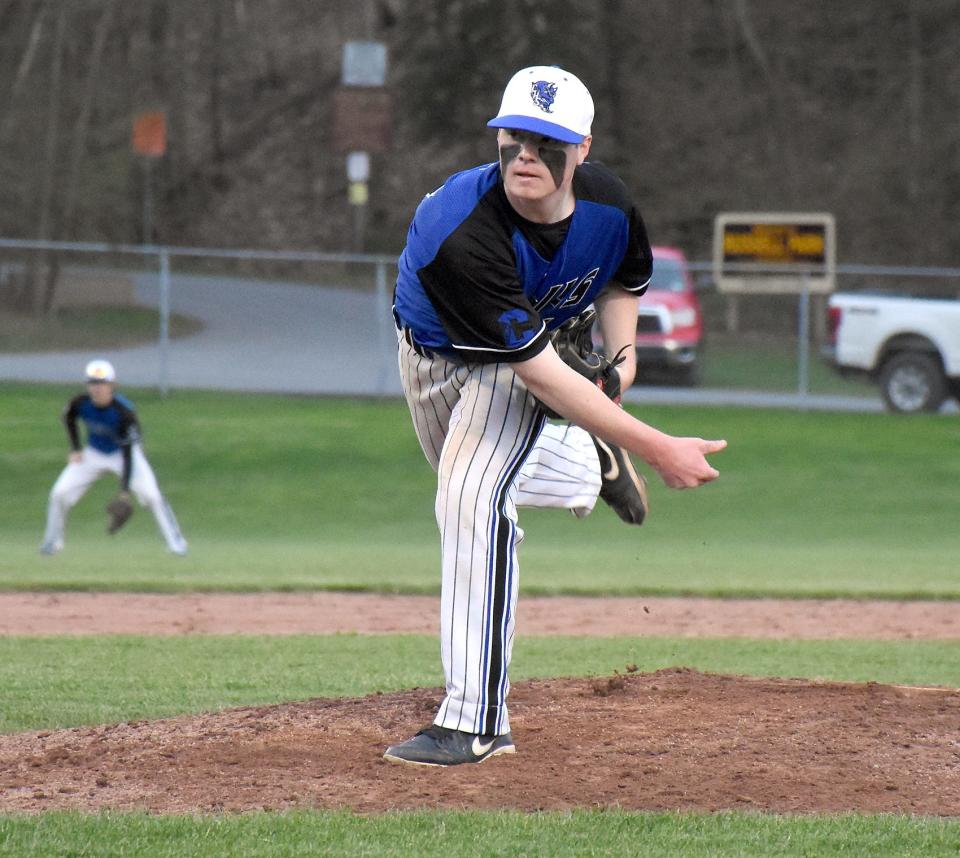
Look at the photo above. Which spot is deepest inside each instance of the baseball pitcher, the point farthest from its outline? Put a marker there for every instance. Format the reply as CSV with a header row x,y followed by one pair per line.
x,y
500,261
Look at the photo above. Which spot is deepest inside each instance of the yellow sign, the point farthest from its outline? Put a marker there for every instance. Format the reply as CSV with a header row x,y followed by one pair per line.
x,y
774,252
774,242
358,193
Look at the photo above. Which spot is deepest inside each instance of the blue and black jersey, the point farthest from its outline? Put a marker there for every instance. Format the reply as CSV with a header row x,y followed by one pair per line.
x,y
109,429
478,281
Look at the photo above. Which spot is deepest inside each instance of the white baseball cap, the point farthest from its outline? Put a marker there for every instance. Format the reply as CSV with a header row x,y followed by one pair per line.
x,y
546,100
100,370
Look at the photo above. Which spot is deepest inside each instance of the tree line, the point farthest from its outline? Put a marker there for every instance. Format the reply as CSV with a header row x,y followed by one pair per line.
x,y
702,106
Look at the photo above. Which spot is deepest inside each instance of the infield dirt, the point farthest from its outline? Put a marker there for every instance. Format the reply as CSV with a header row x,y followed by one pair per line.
x,y
674,739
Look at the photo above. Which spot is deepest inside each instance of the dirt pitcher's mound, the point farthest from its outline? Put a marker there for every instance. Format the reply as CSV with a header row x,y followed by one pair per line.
x,y
676,739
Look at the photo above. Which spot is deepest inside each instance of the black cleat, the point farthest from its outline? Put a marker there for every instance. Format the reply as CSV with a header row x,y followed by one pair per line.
x,y
441,746
622,488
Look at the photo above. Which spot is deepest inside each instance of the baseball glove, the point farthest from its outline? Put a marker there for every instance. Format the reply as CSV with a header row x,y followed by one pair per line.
x,y
573,342
119,511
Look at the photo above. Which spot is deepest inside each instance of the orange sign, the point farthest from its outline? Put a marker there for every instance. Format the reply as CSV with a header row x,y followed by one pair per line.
x,y
150,134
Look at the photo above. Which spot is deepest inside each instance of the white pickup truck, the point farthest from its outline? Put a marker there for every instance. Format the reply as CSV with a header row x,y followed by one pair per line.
x,y
911,346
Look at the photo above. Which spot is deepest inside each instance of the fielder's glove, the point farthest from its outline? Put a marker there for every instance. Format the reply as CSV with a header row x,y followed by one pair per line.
x,y
573,342
119,511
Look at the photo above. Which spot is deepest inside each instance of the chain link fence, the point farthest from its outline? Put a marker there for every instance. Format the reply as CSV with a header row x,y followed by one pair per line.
x,y
320,323
177,317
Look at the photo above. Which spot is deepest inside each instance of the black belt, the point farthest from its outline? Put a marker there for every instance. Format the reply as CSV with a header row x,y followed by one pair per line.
x,y
430,354
420,350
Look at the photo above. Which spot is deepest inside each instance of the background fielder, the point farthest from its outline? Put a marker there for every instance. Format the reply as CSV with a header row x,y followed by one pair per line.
x,y
113,446
496,259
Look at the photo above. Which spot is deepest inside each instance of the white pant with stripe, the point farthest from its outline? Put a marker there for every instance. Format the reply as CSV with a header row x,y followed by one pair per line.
x,y
481,430
77,477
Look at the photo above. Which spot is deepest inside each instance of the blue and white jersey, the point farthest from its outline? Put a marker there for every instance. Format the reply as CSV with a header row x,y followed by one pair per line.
x,y
109,429
479,281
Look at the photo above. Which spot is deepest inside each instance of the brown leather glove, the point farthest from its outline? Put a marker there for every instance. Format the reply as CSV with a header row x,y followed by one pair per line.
x,y
573,342
119,511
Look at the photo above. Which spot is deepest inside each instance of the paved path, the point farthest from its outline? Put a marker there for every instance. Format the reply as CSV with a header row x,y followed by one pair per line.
x,y
751,399
258,336
298,338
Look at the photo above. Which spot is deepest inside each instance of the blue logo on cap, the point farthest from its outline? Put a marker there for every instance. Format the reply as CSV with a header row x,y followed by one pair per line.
x,y
543,93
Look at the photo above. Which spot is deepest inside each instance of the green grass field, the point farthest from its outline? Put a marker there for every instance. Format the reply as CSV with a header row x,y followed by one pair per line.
x,y
297,493
769,362
57,682
585,834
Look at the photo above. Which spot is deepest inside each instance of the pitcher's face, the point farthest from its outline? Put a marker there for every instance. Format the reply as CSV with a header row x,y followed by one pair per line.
x,y
535,167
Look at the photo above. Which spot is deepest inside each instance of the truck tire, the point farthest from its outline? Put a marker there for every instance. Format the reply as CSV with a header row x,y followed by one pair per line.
x,y
689,375
912,382
953,385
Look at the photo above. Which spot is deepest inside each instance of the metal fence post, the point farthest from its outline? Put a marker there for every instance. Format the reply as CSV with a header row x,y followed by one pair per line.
x,y
383,330
803,347
164,319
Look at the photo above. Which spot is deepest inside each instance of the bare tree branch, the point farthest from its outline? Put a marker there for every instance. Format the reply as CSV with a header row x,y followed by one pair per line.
x,y
742,14
53,126
82,124
23,68
914,101
44,228
784,148
216,83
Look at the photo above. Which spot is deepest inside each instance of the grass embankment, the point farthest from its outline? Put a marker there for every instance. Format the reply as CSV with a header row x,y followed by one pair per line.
x,y
296,493
88,328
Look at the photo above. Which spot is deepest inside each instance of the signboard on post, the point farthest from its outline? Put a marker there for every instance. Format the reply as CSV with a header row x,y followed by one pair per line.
x,y
364,64
149,141
362,122
362,106
362,119
774,253
150,134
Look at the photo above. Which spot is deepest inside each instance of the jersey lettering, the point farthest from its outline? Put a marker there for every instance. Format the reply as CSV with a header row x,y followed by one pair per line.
x,y
552,292
576,296
567,294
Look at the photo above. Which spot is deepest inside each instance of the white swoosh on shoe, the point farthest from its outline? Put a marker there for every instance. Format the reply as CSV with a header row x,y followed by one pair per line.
x,y
479,748
614,470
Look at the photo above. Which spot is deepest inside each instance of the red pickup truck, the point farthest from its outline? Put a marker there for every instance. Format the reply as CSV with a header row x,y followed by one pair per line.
x,y
670,322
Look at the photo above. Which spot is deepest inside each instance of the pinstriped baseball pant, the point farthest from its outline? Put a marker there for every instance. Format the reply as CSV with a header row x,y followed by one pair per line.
x,y
488,441
77,477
